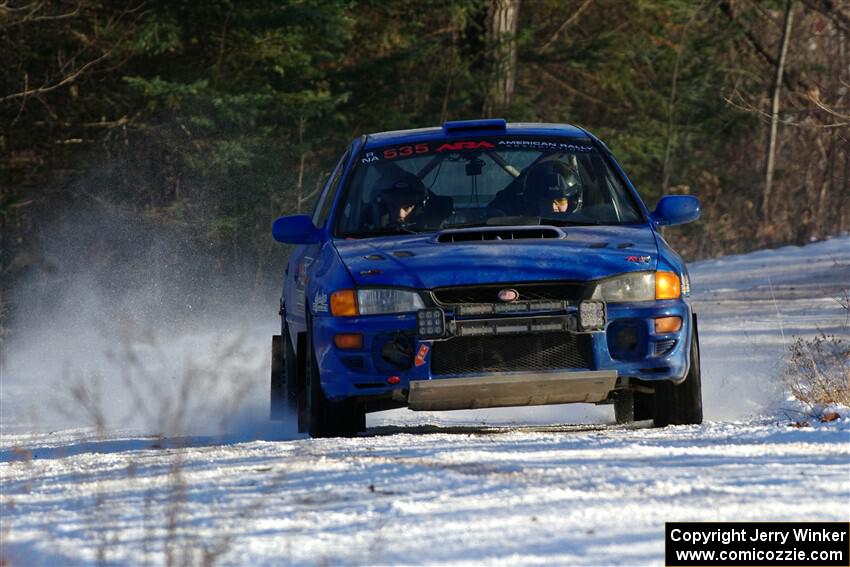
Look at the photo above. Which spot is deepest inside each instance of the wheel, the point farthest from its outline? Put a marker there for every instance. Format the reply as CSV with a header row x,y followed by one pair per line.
x,y
631,406
283,377
624,407
277,394
644,406
291,365
681,404
325,418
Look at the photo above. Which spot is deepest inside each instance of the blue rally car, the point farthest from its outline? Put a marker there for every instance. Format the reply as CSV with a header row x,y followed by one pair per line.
x,y
483,264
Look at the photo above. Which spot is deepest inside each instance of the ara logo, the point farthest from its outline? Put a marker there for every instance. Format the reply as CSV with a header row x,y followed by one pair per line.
x,y
638,259
453,147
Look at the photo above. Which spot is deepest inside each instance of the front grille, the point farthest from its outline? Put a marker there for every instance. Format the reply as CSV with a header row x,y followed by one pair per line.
x,y
569,291
531,352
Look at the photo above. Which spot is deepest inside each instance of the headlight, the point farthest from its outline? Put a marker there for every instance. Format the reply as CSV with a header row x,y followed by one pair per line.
x,y
374,302
639,286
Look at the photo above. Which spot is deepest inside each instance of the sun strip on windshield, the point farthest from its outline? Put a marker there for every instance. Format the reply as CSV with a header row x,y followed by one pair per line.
x,y
445,147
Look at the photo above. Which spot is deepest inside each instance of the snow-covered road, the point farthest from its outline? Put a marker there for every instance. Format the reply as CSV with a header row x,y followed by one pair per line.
x,y
463,488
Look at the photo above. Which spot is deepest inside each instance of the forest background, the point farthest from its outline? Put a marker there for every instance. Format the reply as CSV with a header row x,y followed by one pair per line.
x,y
128,124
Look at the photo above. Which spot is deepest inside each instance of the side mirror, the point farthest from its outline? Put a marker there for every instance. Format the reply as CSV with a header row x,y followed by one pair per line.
x,y
296,229
676,209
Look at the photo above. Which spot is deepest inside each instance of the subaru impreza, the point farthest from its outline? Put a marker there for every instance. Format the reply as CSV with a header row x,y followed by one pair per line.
x,y
483,264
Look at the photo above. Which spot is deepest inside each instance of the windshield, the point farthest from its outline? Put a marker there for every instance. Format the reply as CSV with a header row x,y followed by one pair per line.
x,y
430,186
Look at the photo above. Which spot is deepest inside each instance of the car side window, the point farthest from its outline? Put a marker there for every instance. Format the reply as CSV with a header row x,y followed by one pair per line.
x,y
326,199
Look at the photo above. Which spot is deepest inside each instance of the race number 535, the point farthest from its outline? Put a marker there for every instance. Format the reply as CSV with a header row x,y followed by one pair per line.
x,y
405,151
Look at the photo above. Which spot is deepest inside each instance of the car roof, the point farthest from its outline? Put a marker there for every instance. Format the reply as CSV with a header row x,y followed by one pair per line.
x,y
471,128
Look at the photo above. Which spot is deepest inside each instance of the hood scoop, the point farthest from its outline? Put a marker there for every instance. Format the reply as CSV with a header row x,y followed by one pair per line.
x,y
499,233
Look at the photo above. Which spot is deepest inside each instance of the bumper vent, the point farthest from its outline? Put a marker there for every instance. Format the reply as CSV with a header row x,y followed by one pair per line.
x,y
543,351
549,291
355,363
663,348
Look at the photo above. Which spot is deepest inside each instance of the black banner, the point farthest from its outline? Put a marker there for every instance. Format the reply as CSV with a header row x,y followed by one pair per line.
x,y
762,544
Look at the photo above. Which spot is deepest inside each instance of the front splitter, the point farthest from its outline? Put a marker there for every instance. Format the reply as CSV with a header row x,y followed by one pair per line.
x,y
511,389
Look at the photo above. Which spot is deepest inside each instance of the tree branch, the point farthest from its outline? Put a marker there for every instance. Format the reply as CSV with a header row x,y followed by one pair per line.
x,y
567,23
747,107
815,98
31,17
68,79
566,85
73,76
753,42
830,10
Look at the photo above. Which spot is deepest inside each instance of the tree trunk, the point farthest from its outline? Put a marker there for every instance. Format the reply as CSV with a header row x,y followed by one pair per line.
x,y
299,184
666,170
502,18
774,111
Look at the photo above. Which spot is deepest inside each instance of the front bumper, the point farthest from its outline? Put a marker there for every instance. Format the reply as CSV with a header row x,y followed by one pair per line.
x,y
627,347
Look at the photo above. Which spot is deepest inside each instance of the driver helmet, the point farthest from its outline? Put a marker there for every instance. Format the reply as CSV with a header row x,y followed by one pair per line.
x,y
402,197
553,186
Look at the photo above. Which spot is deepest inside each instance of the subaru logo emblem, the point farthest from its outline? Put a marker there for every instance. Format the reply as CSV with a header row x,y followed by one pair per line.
x,y
508,295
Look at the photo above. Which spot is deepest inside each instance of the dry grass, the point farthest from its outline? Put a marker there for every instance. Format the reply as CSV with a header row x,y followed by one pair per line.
x,y
817,372
170,410
166,405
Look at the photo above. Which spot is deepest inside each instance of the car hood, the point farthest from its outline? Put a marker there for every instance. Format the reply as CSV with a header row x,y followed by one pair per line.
x,y
421,261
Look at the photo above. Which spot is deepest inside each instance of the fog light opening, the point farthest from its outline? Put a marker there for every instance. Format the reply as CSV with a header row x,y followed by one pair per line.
x,y
348,341
627,340
398,351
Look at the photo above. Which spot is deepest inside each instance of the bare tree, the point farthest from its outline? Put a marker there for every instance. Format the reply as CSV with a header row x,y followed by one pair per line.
x,y
774,109
671,105
502,18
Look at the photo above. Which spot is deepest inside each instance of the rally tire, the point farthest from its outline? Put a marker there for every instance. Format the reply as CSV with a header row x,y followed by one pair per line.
x,y
290,359
284,375
681,404
624,407
644,408
688,395
325,418
277,393
631,406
